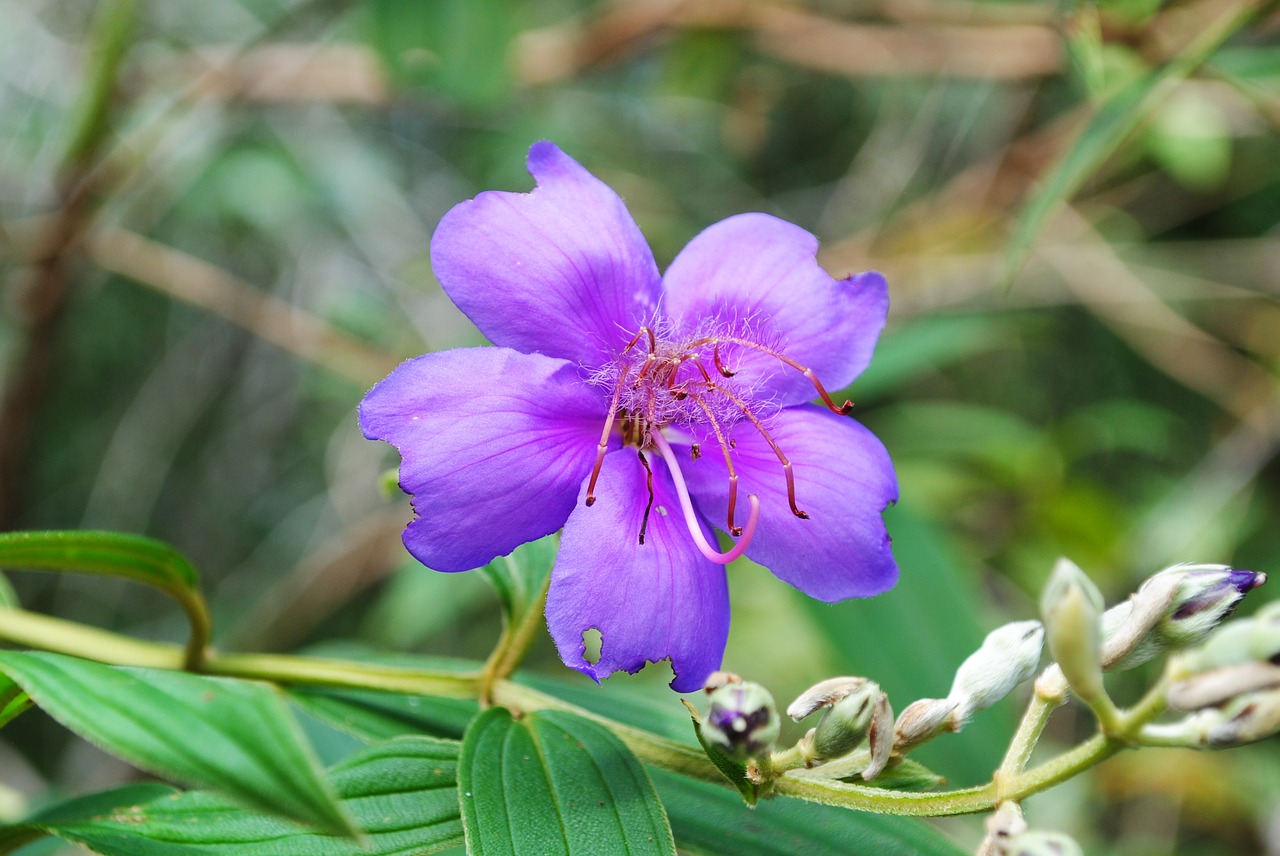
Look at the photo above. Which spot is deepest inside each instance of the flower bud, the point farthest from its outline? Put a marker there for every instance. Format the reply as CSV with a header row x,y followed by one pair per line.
x,y
1008,656
922,720
741,720
1217,686
1175,608
845,724
1243,719
1253,640
1072,611
856,710
1037,843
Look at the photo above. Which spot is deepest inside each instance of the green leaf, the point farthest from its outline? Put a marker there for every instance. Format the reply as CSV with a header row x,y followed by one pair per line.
x,y
113,554
235,736
710,820
555,783
403,793
119,802
13,701
457,46
371,716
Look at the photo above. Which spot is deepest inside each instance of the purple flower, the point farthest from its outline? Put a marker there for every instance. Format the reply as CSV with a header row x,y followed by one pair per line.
x,y
637,411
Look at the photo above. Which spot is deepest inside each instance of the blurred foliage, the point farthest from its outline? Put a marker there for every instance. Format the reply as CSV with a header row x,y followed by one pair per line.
x,y
214,221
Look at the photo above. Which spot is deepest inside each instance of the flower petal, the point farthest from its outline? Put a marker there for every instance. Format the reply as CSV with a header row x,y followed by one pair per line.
x,y
494,445
844,479
757,273
562,271
648,601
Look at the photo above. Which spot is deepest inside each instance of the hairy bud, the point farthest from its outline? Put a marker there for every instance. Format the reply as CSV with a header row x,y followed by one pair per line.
x,y
1008,656
1174,609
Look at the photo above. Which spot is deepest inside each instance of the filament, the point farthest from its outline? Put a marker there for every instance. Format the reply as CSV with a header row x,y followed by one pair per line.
x,y
691,518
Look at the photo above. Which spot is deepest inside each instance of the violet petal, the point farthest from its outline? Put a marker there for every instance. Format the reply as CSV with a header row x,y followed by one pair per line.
x,y
493,443
562,271
648,601
759,273
844,480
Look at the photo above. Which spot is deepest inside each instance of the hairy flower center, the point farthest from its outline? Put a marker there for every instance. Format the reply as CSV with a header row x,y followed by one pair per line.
x,y
660,381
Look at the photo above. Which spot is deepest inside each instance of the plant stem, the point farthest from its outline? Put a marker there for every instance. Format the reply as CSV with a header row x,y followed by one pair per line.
x,y
53,634
517,636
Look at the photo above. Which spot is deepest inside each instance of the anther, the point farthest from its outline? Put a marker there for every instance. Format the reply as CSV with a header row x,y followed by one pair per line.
x,y
715,356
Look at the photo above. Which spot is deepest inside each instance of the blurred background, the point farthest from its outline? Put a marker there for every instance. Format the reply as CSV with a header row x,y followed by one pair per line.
x,y
214,229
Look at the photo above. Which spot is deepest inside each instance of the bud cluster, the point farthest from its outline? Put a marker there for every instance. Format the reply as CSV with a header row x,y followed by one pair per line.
x,y
1174,609
1231,684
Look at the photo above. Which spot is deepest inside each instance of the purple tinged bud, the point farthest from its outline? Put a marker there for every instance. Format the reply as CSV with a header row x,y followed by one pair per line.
x,y
742,720
1222,593
1176,608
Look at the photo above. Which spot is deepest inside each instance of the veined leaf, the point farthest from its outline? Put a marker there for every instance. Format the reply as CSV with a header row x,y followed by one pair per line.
x,y
555,783
371,716
236,736
402,793
113,554
117,802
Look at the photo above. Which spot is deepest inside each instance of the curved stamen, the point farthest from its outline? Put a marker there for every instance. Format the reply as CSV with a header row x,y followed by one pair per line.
x,y
734,529
787,470
691,518
602,446
843,410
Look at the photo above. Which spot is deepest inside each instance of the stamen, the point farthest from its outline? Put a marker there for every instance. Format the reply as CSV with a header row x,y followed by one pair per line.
x,y
725,446
843,410
603,446
691,518
768,438
644,522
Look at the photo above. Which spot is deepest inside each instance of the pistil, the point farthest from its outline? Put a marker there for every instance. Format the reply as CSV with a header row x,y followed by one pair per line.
x,y
691,517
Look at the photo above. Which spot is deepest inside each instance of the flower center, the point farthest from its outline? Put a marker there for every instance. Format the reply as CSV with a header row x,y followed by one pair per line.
x,y
661,381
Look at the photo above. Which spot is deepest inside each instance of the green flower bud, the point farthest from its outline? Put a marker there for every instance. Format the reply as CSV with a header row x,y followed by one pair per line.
x,y
741,720
1072,611
845,724
856,710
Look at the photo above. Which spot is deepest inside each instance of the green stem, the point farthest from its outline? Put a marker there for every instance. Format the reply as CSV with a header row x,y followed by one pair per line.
x,y
52,634
517,637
